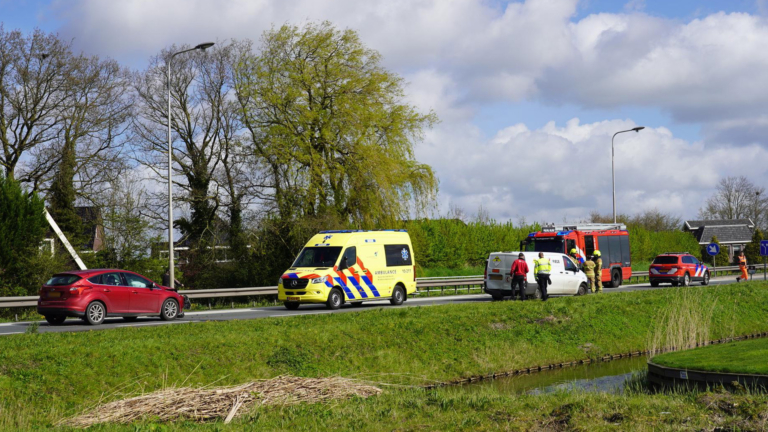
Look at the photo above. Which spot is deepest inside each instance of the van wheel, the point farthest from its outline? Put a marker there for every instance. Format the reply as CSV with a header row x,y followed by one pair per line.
x,y
291,305
537,294
55,319
95,313
398,296
169,310
615,279
497,297
582,289
334,299
706,279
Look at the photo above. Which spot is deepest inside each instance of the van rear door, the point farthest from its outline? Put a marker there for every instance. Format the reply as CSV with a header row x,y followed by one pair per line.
x,y
496,272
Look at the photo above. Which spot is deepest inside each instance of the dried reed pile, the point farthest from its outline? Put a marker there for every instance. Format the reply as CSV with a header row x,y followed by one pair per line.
x,y
221,402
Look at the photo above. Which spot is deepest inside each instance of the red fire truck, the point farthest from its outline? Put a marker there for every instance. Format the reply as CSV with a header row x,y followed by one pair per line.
x,y
612,240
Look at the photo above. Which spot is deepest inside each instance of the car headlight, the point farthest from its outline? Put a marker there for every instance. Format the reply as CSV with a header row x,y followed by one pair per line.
x,y
318,280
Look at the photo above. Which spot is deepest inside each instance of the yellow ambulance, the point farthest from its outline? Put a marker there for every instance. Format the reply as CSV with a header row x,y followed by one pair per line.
x,y
351,266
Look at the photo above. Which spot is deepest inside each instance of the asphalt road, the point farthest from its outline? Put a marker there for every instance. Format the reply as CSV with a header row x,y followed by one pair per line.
x,y
71,325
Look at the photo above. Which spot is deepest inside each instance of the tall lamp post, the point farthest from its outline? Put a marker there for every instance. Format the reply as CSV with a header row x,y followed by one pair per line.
x,y
200,47
613,175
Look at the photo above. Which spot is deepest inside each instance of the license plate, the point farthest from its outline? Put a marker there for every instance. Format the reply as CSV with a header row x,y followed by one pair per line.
x,y
294,298
54,294
495,277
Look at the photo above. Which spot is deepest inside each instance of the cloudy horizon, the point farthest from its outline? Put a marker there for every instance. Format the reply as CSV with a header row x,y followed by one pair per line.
x,y
529,93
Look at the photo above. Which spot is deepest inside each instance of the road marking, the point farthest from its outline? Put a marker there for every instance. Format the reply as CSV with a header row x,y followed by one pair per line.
x,y
151,324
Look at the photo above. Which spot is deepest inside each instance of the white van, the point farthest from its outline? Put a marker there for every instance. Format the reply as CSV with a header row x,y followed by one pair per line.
x,y
565,275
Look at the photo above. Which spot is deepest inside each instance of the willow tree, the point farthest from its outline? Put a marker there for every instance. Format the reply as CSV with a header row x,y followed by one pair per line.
x,y
329,128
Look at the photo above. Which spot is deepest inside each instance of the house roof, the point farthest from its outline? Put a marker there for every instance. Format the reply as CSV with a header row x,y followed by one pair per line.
x,y
732,231
695,224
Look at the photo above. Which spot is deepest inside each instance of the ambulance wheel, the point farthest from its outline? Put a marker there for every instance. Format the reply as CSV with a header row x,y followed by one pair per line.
x,y
706,279
654,283
335,299
291,305
398,296
582,289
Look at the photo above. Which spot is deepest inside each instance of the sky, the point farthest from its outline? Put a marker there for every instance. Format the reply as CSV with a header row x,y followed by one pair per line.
x,y
529,93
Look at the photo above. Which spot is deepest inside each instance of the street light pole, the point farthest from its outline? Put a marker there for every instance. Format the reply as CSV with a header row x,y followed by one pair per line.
x,y
613,175
171,283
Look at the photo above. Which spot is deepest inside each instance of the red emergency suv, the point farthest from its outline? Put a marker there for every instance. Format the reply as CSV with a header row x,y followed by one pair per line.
x,y
677,268
93,295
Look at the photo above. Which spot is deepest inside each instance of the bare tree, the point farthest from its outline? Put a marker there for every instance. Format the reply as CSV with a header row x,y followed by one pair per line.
x,y
737,198
201,103
34,73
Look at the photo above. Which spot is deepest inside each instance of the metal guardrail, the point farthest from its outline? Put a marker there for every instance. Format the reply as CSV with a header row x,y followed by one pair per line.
x,y
425,285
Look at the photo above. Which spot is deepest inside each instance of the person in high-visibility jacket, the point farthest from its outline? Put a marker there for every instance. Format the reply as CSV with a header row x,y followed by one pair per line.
x,y
598,271
542,268
742,267
575,255
589,270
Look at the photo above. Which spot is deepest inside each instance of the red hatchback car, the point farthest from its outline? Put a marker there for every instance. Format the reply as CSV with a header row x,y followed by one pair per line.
x,y
93,295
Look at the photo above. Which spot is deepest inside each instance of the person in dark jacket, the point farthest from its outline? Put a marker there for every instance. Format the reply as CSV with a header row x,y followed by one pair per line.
x,y
518,272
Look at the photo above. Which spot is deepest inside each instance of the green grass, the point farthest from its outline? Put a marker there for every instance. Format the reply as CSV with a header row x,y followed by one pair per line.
x,y
46,376
749,357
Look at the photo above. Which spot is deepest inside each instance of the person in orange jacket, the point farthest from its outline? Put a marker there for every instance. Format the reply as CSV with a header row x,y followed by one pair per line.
x,y
742,267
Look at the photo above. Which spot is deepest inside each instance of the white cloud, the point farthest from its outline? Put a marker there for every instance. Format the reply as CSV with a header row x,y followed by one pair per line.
x,y
460,55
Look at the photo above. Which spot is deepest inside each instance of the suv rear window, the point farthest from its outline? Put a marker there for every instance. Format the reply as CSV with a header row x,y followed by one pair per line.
x,y
666,259
62,280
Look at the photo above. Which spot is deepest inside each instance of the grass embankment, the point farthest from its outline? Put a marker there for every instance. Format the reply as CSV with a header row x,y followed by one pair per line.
x,y
750,357
44,377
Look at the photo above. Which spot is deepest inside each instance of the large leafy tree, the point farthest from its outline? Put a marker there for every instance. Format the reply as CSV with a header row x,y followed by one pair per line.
x,y
328,127
22,227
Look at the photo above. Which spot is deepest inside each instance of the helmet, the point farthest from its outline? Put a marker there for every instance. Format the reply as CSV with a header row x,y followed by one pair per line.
x,y
574,251
597,253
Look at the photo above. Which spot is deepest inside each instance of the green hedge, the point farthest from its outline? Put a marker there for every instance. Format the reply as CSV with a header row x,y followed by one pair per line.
x,y
453,244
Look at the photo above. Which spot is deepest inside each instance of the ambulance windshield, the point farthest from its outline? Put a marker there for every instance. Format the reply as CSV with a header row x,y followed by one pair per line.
x,y
548,244
320,256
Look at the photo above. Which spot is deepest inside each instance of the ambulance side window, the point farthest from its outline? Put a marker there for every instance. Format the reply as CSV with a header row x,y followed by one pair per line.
x,y
349,258
398,255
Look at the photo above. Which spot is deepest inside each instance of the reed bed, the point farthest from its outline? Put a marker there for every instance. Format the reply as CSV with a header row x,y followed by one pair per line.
x,y
207,404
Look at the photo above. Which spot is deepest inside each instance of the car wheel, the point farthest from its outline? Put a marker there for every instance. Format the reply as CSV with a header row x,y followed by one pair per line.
x,y
95,313
537,294
334,299
706,279
497,297
291,305
687,280
130,319
170,310
582,289
398,296
654,284
55,319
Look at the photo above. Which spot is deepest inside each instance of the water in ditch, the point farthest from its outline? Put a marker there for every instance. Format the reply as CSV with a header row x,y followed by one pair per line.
x,y
607,377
